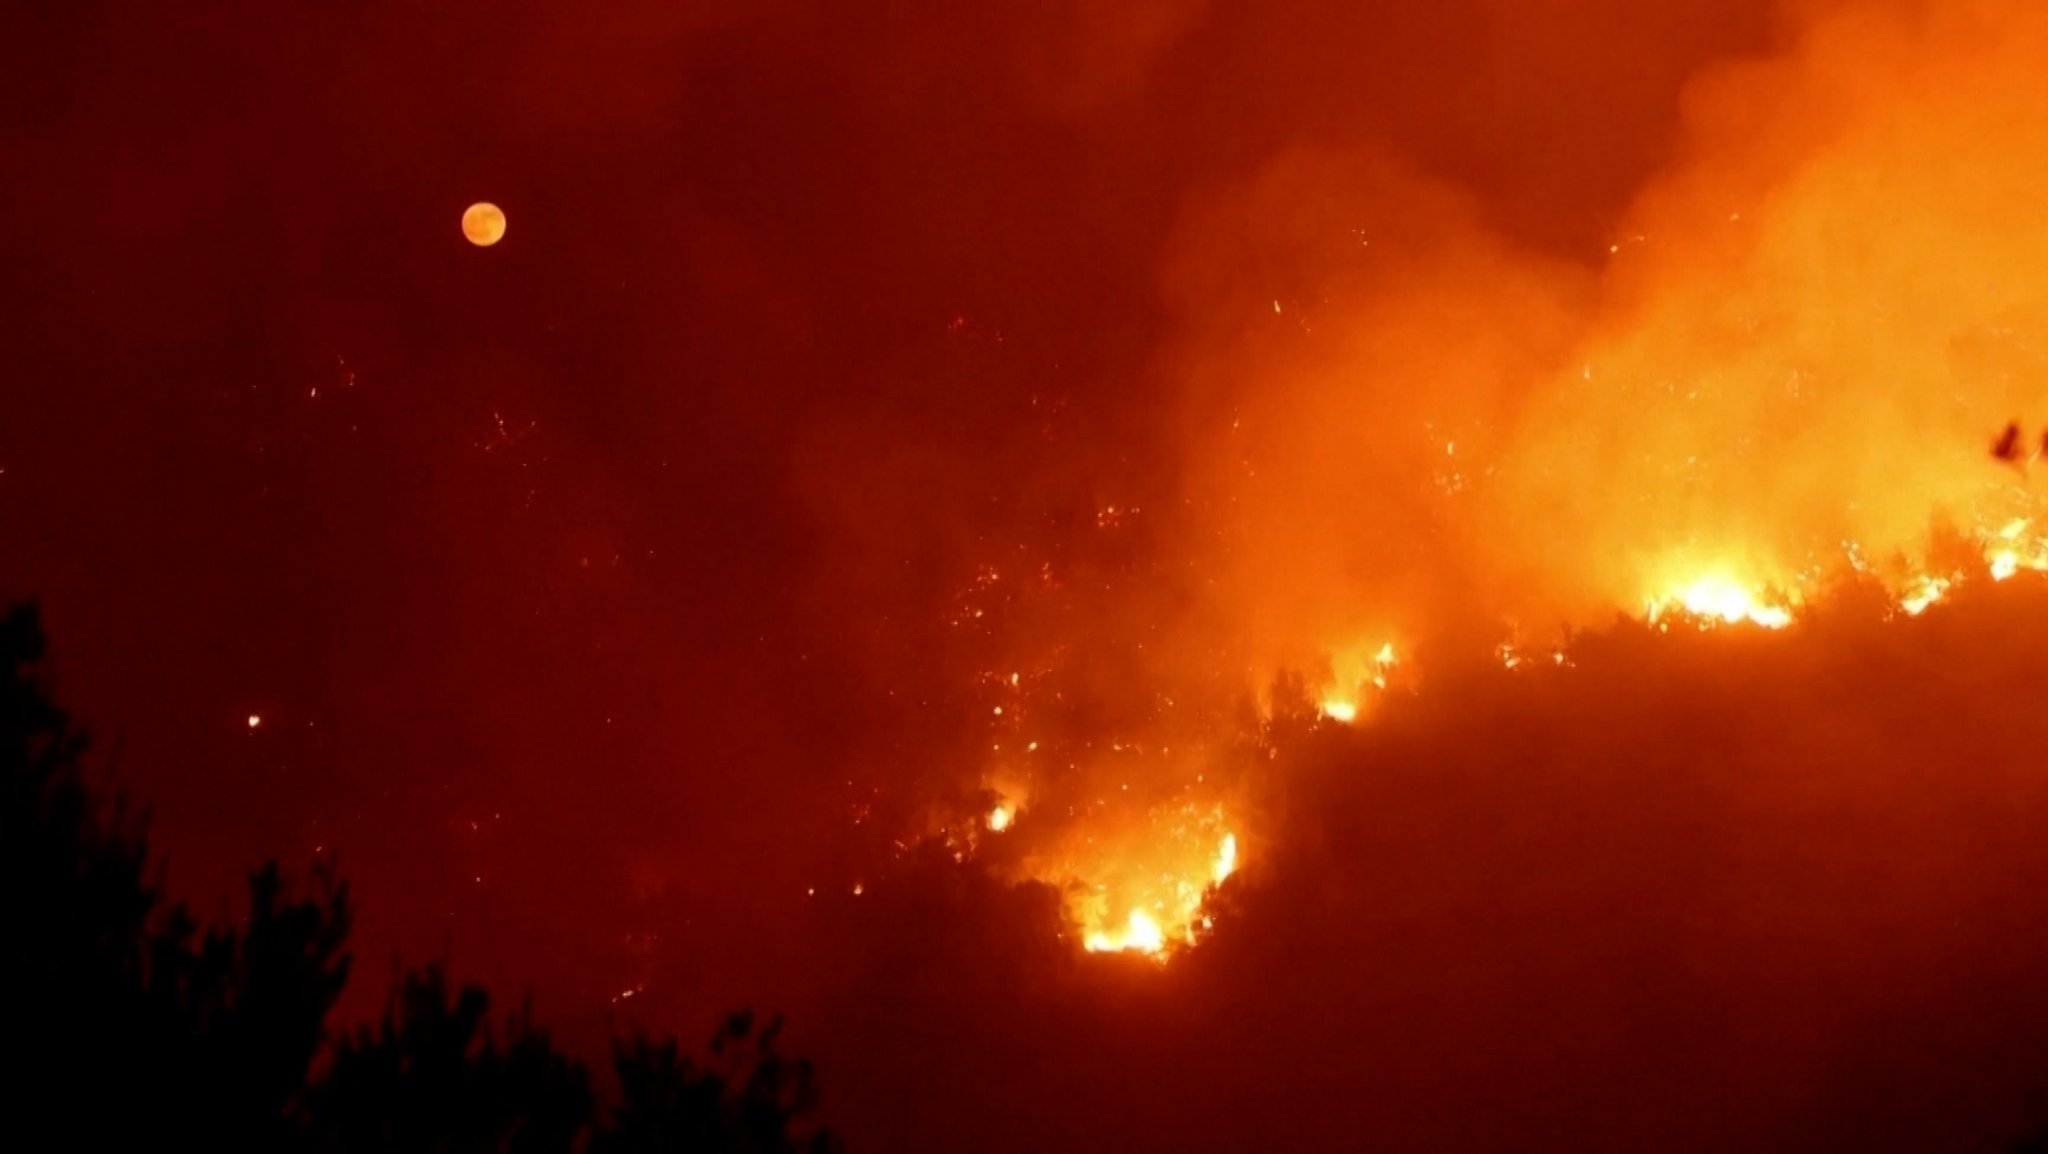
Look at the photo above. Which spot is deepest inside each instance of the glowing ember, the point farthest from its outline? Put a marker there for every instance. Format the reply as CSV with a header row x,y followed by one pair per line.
x,y
254,721
1513,657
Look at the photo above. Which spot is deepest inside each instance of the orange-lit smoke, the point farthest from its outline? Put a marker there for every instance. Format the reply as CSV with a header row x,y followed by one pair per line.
x,y
1784,370
1401,431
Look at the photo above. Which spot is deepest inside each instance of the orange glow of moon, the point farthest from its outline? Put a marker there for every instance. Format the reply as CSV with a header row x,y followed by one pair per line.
x,y
483,223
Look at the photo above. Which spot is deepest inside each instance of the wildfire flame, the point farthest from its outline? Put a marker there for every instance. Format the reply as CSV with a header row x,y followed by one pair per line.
x,y
1226,859
1139,933
1139,884
1151,909
1717,597
1169,911
1352,677
1780,376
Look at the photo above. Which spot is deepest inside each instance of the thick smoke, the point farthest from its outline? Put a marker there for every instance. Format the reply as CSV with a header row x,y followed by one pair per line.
x,y
1795,346
1728,892
1384,427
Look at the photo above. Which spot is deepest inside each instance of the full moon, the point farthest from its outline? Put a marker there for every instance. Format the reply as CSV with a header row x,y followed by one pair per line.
x,y
483,223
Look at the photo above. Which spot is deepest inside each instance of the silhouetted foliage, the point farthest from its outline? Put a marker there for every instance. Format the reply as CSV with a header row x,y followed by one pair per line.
x,y
139,1024
434,1074
750,1099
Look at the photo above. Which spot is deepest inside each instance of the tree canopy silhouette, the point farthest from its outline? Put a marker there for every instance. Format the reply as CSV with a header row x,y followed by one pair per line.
x,y
139,1023
435,1074
747,1101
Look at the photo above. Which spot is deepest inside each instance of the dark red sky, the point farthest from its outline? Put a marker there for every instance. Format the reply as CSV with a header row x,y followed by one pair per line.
x,y
581,583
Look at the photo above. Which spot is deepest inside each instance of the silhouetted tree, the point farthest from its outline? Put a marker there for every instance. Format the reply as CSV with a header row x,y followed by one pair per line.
x,y
434,1074
135,1024
71,877
240,1014
749,1100
133,1021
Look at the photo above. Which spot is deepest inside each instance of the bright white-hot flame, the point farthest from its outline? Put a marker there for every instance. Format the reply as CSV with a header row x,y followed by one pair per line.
x,y
1226,858
2013,547
1157,914
1139,933
1000,817
1719,598
2005,559
1723,598
1349,675
1924,592
1382,661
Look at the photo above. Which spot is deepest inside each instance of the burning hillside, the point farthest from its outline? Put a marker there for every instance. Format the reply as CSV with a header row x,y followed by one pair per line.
x,y
1405,442
1584,904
